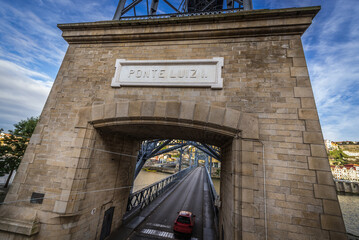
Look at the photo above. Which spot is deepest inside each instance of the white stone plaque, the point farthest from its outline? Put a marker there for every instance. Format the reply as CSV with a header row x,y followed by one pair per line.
x,y
169,73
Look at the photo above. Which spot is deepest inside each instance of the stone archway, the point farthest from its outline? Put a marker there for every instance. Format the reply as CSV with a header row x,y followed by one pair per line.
x,y
106,129
138,120
265,105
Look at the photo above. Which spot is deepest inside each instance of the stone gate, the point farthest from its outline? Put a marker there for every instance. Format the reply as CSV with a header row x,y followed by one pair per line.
x,y
276,182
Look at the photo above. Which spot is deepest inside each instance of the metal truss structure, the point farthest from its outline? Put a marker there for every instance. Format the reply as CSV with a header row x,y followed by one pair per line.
x,y
176,8
152,148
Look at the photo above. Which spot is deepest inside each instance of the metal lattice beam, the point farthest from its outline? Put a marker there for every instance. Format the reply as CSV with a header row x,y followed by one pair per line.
x,y
148,149
247,5
186,6
170,149
119,9
230,4
154,148
173,7
214,153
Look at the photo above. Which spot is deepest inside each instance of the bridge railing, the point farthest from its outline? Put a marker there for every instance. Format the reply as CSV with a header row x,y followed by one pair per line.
x,y
347,186
214,196
143,197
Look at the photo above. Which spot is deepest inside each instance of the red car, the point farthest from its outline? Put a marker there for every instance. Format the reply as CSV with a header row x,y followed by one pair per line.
x,y
184,222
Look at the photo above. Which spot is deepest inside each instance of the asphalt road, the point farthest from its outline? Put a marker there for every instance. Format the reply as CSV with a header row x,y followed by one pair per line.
x,y
189,196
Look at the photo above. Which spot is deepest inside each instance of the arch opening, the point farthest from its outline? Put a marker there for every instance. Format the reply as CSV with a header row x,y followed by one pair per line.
x,y
125,137
121,127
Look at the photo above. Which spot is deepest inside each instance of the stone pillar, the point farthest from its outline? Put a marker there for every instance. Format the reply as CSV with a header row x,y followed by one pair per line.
x,y
275,179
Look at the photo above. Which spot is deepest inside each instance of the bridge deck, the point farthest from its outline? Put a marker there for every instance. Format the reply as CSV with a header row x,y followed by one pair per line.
x,y
190,194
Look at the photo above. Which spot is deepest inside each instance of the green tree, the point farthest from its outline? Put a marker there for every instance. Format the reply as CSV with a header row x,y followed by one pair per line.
x,y
25,128
13,146
338,156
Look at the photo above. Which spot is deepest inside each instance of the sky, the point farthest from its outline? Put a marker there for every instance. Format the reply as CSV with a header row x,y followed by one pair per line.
x,y
32,49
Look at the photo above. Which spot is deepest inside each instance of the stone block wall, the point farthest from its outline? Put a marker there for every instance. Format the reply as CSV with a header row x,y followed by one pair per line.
x,y
275,183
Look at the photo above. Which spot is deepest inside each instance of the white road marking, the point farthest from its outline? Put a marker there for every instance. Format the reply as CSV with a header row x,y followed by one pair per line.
x,y
159,225
158,233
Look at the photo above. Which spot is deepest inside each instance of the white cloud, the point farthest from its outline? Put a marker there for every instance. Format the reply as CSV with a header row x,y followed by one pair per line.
x,y
333,48
28,40
32,49
23,93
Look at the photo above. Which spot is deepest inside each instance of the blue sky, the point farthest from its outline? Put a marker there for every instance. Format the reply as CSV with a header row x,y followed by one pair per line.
x,y
32,49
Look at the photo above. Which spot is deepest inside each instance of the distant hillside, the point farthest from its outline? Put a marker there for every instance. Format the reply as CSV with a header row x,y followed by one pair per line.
x,y
344,153
350,147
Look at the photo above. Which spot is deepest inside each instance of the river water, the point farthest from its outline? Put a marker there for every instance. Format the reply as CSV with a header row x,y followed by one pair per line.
x,y
348,203
145,178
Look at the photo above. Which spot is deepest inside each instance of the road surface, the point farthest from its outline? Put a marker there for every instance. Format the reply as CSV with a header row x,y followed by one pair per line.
x,y
191,194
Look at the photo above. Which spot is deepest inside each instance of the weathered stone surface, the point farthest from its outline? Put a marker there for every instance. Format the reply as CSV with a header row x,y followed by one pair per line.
x,y
135,109
216,115
318,150
231,118
299,62
325,192
160,109
305,92
97,112
249,126
338,235
19,220
332,223
187,110
331,207
312,125
308,114
201,113
299,72
264,119
173,110
122,109
325,178
110,110
313,137
83,117
317,163
148,109
308,103
60,207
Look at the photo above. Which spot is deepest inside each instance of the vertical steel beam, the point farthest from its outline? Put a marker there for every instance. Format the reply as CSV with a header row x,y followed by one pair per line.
x,y
119,9
230,4
154,5
190,156
212,152
139,166
196,157
247,5
210,168
148,13
186,6
206,163
180,160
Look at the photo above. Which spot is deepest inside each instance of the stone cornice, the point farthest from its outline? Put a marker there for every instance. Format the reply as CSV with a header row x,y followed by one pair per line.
x,y
240,24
